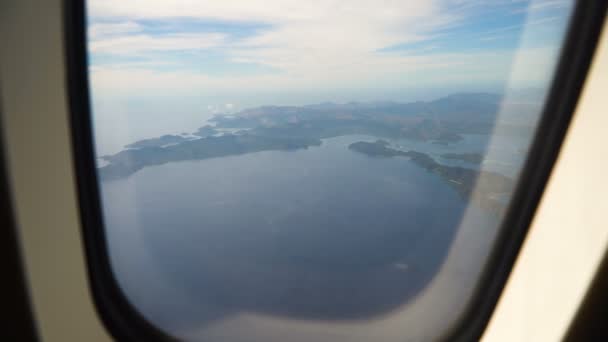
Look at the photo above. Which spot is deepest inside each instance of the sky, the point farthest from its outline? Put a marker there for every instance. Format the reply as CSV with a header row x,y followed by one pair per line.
x,y
170,64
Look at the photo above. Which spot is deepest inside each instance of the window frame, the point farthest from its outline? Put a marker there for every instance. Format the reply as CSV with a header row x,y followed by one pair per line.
x,y
16,297
124,321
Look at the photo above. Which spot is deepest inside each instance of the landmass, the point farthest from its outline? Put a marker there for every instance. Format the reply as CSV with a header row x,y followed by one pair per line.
x,y
485,187
157,142
442,121
130,161
473,158
287,128
205,131
463,108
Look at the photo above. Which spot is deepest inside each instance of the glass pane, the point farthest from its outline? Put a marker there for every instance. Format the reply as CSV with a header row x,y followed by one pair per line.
x,y
312,170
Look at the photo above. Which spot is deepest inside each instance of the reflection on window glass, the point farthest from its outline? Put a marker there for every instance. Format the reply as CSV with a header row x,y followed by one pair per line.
x,y
312,170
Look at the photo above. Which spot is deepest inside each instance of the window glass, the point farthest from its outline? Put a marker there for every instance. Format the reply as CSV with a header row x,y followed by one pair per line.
x,y
293,170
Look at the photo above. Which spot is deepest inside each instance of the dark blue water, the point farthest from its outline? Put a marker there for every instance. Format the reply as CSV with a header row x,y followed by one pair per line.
x,y
323,234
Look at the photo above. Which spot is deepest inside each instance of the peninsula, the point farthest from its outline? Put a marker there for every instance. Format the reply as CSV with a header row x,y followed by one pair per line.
x,y
485,187
130,161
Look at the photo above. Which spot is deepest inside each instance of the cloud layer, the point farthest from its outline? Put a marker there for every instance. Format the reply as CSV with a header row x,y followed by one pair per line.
x,y
238,47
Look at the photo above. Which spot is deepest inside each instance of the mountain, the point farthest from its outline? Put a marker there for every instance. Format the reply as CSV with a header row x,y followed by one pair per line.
x,y
467,106
441,121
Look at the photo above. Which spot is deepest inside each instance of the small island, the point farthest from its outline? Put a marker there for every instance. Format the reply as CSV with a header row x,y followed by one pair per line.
x,y
485,187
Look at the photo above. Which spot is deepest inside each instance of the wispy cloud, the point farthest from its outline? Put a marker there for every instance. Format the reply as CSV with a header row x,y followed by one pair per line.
x,y
529,24
303,31
142,43
100,30
545,5
548,4
239,45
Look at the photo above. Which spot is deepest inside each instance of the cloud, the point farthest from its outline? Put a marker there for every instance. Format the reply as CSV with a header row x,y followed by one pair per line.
x,y
301,28
389,71
302,46
548,4
277,11
529,25
99,30
139,44
306,36
545,6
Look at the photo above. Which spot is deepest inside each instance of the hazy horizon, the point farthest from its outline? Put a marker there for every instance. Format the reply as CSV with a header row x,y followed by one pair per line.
x,y
161,67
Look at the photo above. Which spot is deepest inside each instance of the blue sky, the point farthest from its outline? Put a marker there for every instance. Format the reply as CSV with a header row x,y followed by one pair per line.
x,y
196,56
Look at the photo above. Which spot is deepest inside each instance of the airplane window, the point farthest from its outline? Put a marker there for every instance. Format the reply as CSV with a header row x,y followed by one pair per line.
x,y
312,170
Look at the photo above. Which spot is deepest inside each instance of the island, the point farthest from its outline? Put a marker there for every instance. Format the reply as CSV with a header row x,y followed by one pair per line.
x,y
485,187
